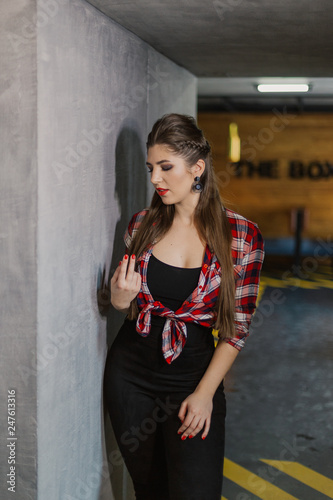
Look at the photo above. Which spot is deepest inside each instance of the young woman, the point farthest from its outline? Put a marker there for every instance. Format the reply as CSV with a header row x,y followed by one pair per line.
x,y
191,265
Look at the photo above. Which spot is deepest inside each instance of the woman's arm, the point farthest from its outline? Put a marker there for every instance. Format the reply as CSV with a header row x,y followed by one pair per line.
x,y
195,411
221,362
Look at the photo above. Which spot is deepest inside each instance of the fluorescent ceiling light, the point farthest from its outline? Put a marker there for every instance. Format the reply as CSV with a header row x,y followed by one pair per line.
x,y
283,87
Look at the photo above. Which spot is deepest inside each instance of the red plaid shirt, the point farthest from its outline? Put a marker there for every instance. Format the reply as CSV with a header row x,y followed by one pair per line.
x,y
248,254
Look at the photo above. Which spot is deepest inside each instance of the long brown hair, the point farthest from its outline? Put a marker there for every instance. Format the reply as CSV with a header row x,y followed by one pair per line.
x,y
182,136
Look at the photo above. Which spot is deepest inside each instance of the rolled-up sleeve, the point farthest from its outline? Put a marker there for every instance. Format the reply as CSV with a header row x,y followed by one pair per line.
x,y
133,226
128,234
247,286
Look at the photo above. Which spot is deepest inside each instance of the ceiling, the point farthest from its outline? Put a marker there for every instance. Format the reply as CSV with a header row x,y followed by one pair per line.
x,y
237,42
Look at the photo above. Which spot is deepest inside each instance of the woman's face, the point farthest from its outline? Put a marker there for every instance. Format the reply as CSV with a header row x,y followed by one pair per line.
x,y
170,175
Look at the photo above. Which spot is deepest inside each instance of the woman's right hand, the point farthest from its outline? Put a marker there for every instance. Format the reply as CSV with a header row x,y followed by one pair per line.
x,y
125,284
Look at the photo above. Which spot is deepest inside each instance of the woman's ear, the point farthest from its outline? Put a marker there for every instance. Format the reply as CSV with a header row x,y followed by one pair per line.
x,y
199,168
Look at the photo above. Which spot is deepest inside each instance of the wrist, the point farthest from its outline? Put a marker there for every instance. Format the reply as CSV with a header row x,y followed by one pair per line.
x,y
203,390
121,307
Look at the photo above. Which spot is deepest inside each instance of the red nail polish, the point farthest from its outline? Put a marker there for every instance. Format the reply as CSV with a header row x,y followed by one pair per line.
x,y
120,263
126,257
183,438
203,437
133,256
190,437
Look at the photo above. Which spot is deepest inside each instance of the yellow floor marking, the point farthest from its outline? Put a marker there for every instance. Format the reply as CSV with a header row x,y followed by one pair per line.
x,y
311,285
262,287
316,281
215,334
324,283
253,483
320,276
305,475
290,280
224,498
299,283
275,282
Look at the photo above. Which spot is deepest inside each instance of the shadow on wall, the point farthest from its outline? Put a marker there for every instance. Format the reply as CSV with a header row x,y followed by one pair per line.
x,y
131,193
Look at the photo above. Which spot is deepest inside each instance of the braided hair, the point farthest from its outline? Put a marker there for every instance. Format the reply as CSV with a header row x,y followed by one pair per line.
x,y
203,149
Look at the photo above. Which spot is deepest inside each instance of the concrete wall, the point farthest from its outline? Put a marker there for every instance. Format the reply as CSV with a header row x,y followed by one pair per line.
x,y
80,94
18,249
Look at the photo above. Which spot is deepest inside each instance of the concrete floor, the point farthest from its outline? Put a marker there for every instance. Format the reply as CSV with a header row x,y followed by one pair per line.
x,y
280,394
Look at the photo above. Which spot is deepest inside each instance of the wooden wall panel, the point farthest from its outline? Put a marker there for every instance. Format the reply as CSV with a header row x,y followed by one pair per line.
x,y
283,137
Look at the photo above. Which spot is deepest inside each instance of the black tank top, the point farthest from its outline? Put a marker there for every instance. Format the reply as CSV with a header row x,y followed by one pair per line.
x,y
169,284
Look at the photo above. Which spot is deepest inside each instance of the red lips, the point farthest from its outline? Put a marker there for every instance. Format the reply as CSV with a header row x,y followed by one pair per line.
x,y
162,192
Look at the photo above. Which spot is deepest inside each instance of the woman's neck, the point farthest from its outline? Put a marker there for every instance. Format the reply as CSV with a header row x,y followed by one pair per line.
x,y
184,213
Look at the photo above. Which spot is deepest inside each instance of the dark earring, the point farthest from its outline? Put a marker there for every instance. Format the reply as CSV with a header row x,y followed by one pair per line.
x,y
197,187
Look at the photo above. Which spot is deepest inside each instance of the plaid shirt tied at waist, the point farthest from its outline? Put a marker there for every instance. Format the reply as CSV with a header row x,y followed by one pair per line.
x,y
198,307
248,254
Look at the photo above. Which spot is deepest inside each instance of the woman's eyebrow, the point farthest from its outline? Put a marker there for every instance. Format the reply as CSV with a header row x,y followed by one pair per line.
x,y
158,162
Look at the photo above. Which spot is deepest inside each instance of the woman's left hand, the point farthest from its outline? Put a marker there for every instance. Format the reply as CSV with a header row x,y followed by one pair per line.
x,y
195,413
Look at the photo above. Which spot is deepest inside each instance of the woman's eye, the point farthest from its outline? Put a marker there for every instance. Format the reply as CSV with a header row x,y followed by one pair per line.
x,y
164,168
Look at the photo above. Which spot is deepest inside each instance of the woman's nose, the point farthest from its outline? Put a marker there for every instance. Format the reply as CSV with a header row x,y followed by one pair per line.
x,y
155,176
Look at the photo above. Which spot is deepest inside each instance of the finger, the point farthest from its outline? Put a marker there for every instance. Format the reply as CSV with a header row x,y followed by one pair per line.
x,y
116,274
206,429
137,281
131,268
188,425
182,411
123,267
193,428
197,429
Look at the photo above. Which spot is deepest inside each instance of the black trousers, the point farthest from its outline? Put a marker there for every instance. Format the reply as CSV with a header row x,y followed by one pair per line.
x,y
143,395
